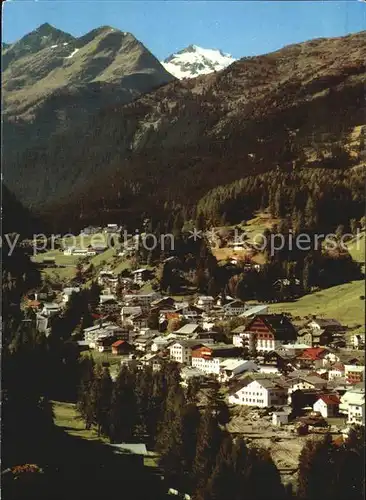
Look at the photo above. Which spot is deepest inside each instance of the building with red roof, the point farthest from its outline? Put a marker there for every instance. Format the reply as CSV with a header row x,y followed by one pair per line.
x,y
327,405
121,347
312,357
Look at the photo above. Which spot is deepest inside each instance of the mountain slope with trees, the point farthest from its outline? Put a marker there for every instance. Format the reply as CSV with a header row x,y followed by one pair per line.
x,y
301,106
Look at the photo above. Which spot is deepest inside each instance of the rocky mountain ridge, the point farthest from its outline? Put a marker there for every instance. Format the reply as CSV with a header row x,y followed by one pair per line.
x,y
55,80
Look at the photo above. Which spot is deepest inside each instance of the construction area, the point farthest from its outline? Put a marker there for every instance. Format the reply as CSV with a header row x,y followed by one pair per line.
x,y
283,442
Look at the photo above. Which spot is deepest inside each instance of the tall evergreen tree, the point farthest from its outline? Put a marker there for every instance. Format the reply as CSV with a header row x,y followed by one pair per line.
x,y
101,392
84,403
123,411
209,441
316,470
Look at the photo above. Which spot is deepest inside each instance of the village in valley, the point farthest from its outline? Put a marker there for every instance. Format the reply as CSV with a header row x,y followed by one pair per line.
x,y
183,251
282,377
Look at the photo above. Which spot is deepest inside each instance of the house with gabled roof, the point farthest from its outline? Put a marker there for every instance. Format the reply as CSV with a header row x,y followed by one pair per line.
x,y
163,303
142,275
121,347
315,337
128,311
329,324
205,302
352,404
267,332
262,392
189,312
312,357
181,350
208,357
344,356
189,329
327,405
336,371
68,291
231,367
233,308
309,381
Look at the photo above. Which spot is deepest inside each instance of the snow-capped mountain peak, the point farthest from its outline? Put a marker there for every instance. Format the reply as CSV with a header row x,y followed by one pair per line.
x,y
194,61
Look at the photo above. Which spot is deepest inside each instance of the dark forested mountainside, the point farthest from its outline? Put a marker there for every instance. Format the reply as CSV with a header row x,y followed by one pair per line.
x,y
314,198
52,81
300,106
15,218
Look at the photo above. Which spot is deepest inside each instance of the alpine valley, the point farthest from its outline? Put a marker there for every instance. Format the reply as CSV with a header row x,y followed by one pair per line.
x,y
96,124
183,258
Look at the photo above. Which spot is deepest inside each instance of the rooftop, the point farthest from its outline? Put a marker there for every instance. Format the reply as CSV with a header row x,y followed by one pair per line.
x,y
118,343
188,328
232,363
326,322
279,324
330,399
259,309
313,353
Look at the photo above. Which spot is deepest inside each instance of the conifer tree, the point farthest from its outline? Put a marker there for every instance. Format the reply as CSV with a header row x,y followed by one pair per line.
x,y
123,412
172,408
193,388
143,390
221,484
260,465
101,392
208,444
316,470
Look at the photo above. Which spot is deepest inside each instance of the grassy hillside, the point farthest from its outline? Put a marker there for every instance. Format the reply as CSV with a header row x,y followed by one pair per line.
x,y
107,258
341,302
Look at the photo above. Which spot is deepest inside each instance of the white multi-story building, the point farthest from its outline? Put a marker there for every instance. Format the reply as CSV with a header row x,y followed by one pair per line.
x,y
80,252
260,392
208,357
356,412
103,330
141,299
240,337
353,405
327,405
233,308
207,365
181,351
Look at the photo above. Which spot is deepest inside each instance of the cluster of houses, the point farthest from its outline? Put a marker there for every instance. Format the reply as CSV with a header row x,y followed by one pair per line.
x,y
266,362
95,247
89,251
